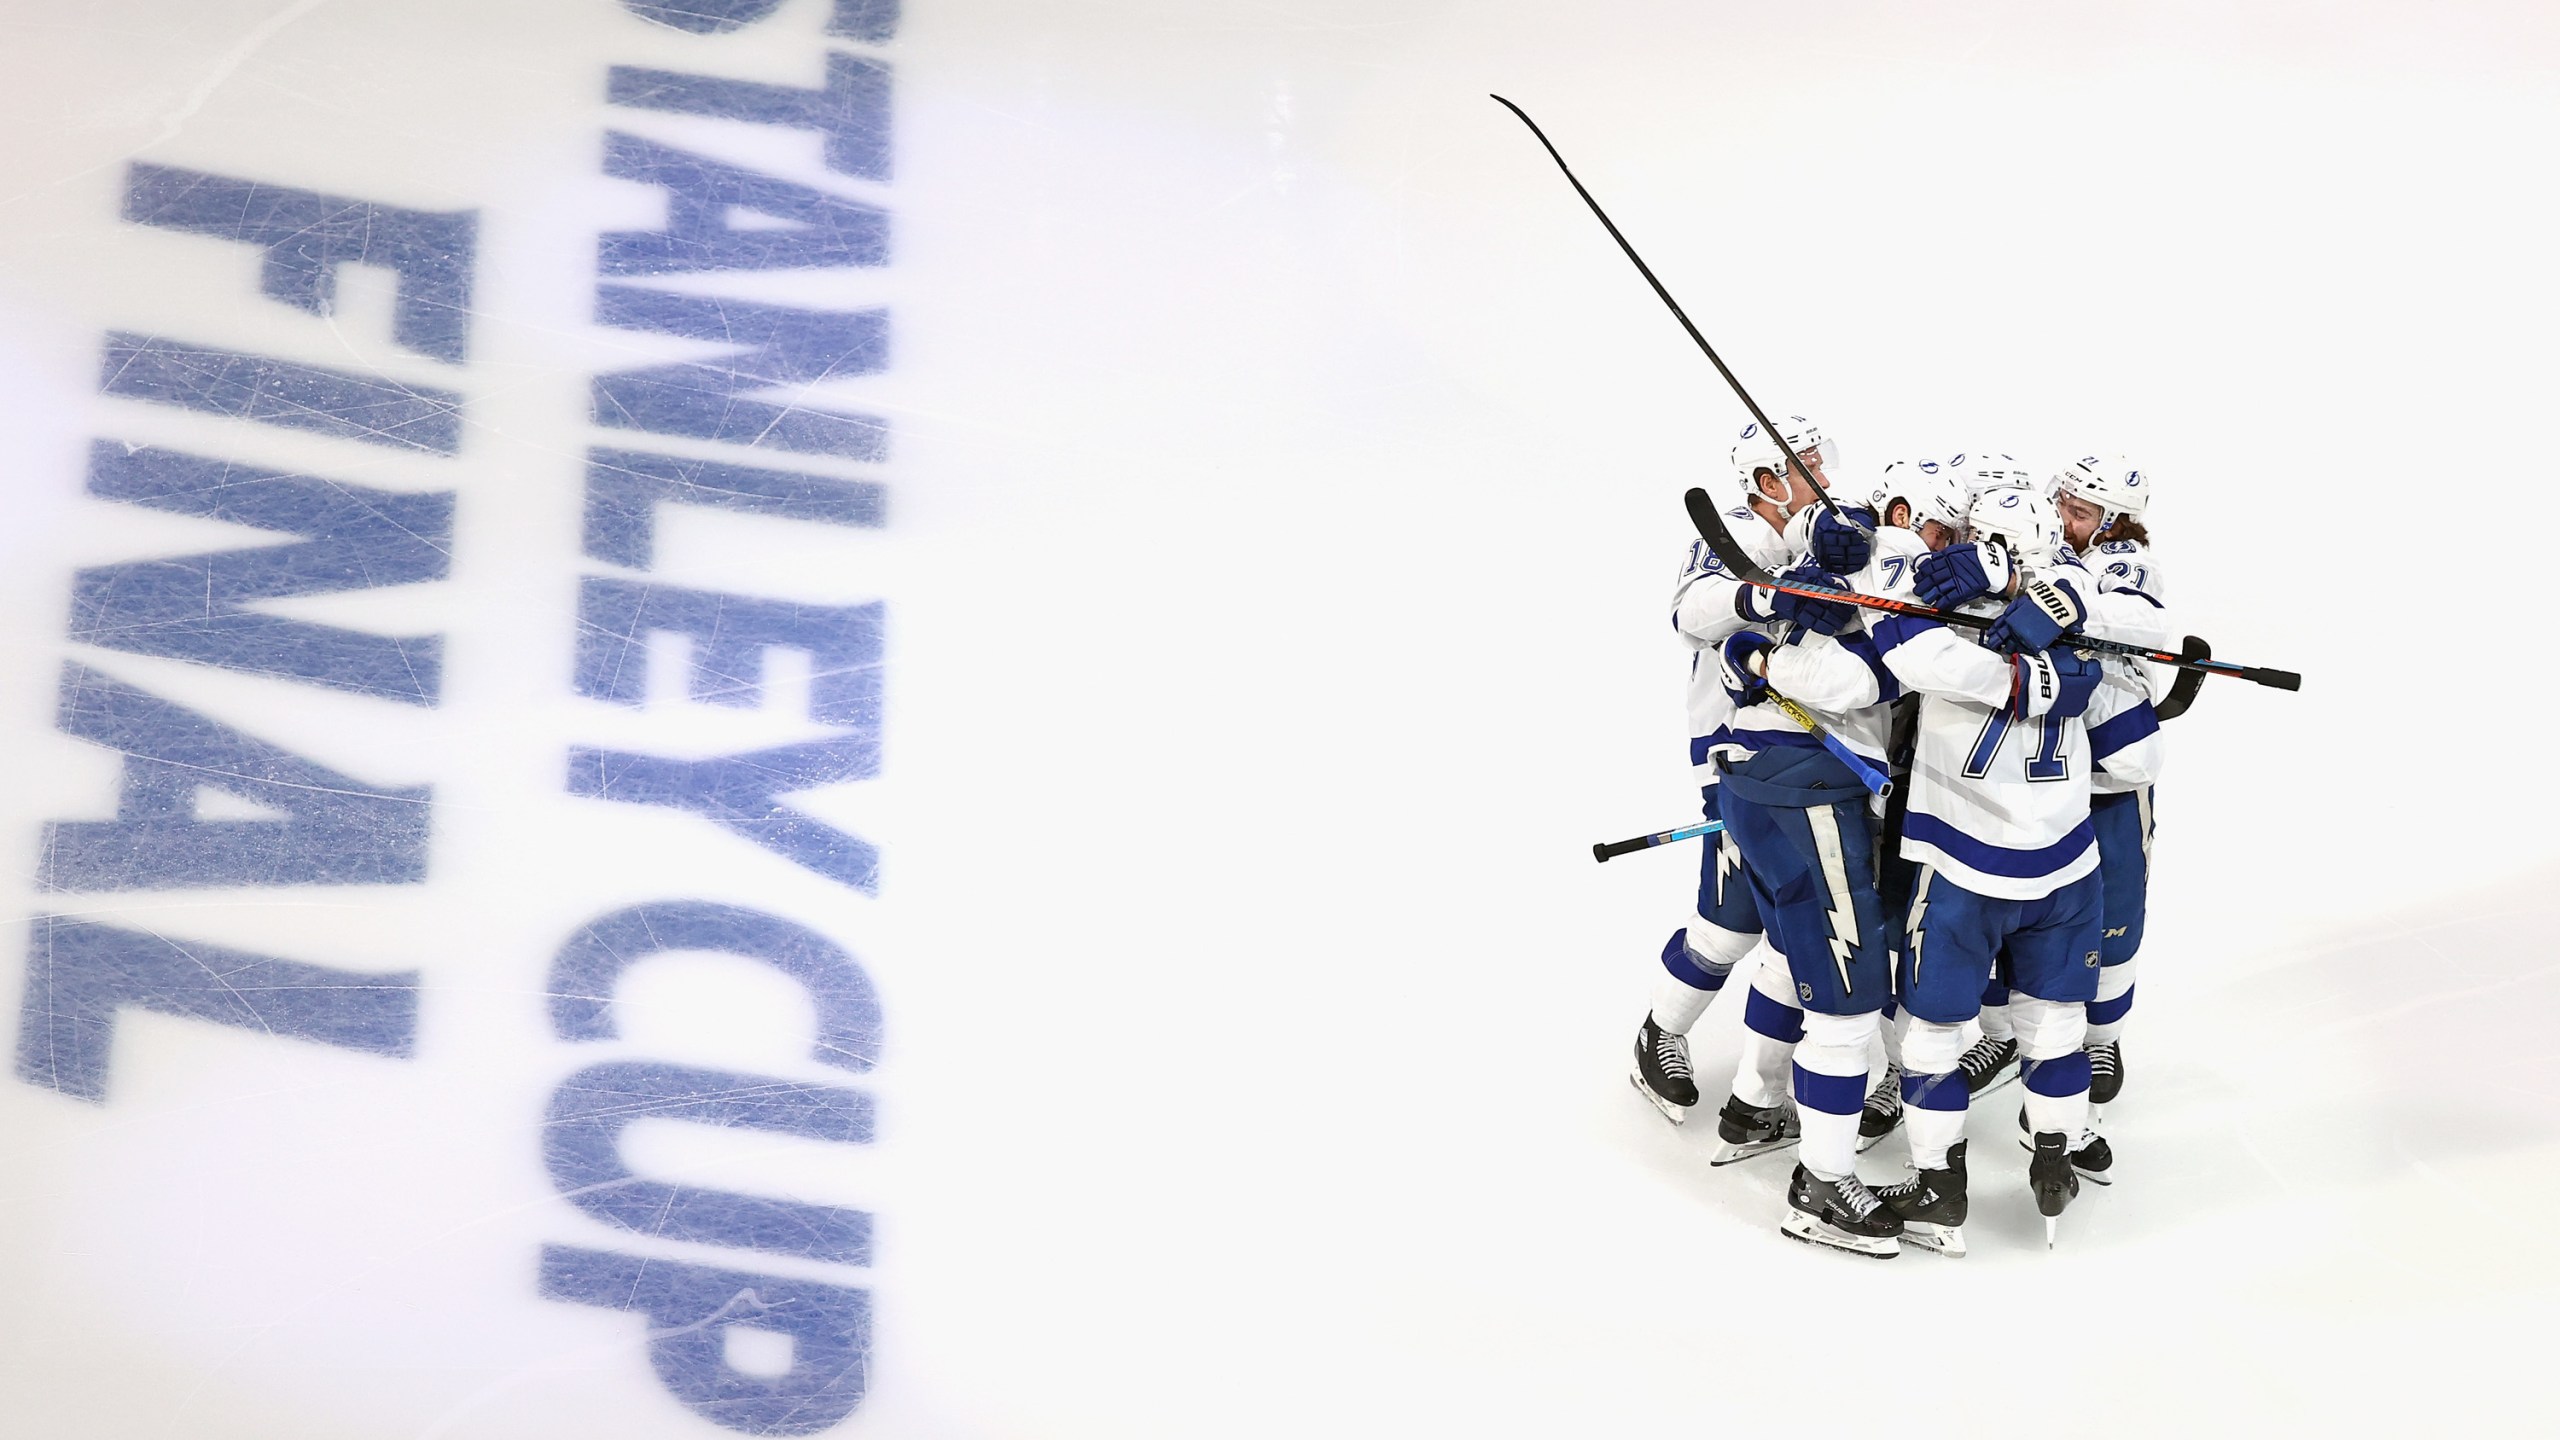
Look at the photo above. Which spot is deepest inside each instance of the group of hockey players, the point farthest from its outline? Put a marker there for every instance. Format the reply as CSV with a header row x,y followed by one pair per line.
x,y
1978,921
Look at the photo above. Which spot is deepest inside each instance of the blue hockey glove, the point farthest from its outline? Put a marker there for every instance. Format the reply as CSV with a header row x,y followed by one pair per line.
x,y
2052,682
1840,546
2048,607
1962,572
1826,617
1752,604
1743,665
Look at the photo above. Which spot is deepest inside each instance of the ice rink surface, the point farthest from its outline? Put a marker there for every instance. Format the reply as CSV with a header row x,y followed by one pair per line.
x,y
1277,505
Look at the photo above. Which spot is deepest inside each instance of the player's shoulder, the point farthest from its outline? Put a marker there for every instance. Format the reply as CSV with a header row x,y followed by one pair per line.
x,y
2122,548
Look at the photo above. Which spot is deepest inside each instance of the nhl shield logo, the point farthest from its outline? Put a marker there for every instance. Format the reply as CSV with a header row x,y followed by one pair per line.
x,y
2090,960
1804,992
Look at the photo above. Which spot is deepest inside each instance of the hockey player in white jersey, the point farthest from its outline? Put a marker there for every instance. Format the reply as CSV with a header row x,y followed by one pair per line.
x,y
1708,605
1999,823
2101,503
1801,817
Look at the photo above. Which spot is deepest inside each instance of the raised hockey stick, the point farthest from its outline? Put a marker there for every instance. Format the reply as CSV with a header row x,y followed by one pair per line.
x,y
1772,431
1711,528
1602,853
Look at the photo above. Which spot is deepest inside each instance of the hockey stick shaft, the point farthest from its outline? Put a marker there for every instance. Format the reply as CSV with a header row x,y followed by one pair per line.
x,y
1710,523
1602,853
1776,435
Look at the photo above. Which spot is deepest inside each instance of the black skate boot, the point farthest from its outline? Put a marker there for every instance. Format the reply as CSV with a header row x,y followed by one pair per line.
x,y
2052,1179
1931,1205
2106,1071
1662,1071
1989,1065
1753,1130
1883,1112
1842,1214
2093,1160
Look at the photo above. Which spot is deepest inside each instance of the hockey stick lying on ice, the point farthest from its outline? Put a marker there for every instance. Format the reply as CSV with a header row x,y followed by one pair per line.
x,y
1772,431
1602,853
1711,528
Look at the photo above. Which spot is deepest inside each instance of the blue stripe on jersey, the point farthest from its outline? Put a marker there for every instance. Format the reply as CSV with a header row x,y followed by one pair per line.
x,y
2129,590
1999,859
1888,689
1894,629
2109,736
1699,745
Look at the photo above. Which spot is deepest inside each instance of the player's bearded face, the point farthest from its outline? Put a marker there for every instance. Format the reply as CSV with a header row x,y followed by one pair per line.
x,y
2079,519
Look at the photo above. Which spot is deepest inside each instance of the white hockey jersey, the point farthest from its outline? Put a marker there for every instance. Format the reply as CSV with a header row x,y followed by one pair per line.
x,y
1841,678
2124,730
1999,805
1703,611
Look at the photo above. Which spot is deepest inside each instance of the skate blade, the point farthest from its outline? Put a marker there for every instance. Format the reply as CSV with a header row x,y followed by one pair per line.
x,y
1947,1240
2094,1177
1810,1229
2051,1224
1676,1114
1869,1142
1727,1152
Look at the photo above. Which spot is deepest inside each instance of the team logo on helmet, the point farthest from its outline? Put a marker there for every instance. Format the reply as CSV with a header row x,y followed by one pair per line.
x,y
1750,430
1928,467
2133,477
2008,502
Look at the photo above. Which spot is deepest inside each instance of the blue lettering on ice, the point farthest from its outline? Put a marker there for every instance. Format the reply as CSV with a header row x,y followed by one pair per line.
x,y
703,17
626,487
872,20
308,236
868,20
789,346
332,829
581,1147
730,635
269,391
737,792
826,231
80,973
583,974
851,110
687,1311
189,607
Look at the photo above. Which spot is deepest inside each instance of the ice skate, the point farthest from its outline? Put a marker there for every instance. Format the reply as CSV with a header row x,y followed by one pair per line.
x,y
1931,1204
2091,1158
1989,1065
1882,1114
1842,1214
1747,1130
1662,1071
2052,1179
2106,1071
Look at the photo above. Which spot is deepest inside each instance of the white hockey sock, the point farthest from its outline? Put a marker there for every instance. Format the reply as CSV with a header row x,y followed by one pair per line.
x,y
2107,1013
2068,1114
1830,1086
1771,1026
1930,1079
1931,1131
1995,1023
1677,1005
2050,1034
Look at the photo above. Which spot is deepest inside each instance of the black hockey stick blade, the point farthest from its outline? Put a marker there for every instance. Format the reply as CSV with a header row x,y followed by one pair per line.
x,y
2183,693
